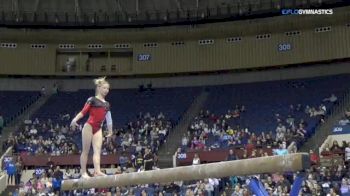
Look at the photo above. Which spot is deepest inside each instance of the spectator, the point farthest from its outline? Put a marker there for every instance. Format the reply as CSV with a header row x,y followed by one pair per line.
x,y
326,152
58,174
55,88
11,172
19,169
209,188
231,156
196,160
281,128
249,147
314,158
33,131
43,90
347,113
139,162
347,153
331,99
68,174
184,140
123,161
148,159
344,121
281,150
335,147
345,187
56,185
290,121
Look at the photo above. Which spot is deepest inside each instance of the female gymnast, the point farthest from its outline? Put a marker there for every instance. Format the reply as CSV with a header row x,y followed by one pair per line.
x,y
99,110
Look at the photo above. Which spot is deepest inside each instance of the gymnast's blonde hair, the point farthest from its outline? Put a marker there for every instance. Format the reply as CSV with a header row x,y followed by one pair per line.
x,y
100,81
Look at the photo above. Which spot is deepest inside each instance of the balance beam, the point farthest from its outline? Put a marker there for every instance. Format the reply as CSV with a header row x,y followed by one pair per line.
x,y
271,164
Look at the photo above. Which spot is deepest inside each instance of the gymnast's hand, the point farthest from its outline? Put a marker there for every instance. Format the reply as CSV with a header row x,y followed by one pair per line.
x,y
110,133
74,124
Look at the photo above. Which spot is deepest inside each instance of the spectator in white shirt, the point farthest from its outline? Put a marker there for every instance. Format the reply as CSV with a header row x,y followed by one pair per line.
x,y
281,128
347,153
331,99
184,140
196,160
279,135
209,188
33,131
344,121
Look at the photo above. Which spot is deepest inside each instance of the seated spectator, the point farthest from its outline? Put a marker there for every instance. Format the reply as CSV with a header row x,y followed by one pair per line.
x,y
314,158
281,150
196,160
198,143
331,99
345,187
231,156
249,147
347,113
33,131
326,152
301,132
336,149
185,140
148,159
344,121
123,160
347,153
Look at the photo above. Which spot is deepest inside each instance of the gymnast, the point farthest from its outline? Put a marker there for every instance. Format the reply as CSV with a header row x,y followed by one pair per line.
x,y
99,110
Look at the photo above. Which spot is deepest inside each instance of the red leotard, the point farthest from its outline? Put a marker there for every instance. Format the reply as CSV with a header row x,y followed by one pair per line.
x,y
97,110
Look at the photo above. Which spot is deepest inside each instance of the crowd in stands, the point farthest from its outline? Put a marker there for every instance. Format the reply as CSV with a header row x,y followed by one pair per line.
x,y
45,137
209,130
46,183
319,180
142,137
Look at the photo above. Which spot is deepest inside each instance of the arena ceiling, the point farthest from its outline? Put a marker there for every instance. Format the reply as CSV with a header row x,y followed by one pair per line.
x,y
78,13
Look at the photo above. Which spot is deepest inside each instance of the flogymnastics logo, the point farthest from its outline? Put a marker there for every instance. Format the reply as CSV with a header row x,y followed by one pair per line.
x,y
307,11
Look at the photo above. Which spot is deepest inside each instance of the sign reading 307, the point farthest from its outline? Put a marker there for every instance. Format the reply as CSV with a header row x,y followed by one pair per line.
x,y
144,57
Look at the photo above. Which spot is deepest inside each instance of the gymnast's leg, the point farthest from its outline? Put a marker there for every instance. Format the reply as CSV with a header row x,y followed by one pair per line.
x,y
86,134
97,145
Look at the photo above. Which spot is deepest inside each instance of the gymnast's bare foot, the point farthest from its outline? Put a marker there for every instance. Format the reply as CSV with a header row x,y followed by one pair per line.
x,y
85,175
99,174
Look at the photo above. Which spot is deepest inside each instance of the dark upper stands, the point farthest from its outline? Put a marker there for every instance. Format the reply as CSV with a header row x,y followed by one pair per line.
x,y
13,103
266,102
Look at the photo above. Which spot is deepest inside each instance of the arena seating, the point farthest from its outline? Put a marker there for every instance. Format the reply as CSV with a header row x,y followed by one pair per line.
x,y
262,102
129,110
13,103
125,104
266,102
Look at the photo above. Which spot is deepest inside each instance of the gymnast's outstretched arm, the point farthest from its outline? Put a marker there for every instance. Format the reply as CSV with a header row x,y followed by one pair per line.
x,y
109,122
81,114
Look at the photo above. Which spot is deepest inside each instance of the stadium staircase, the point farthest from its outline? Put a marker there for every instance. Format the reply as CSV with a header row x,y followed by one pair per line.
x,y
169,148
10,128
325,129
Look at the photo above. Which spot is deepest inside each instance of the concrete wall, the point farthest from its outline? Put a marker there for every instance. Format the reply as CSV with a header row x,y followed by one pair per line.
x,y
182,81
235,45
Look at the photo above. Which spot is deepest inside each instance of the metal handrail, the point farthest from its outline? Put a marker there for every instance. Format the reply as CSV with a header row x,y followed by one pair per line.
x,y
342,102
